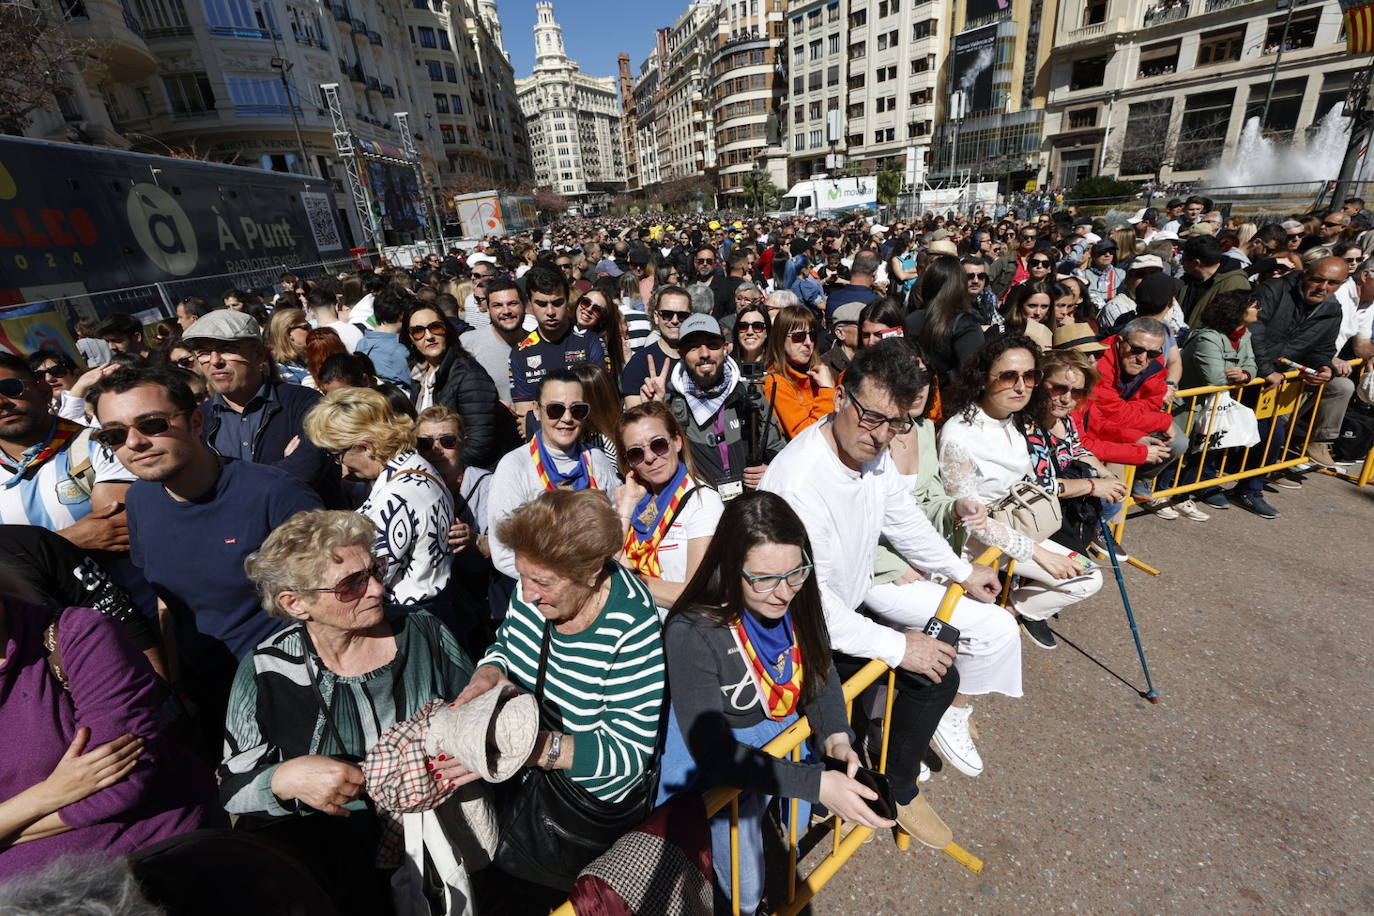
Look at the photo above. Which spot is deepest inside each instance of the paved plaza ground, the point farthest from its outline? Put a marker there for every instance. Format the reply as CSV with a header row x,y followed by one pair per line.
x,y
1248,789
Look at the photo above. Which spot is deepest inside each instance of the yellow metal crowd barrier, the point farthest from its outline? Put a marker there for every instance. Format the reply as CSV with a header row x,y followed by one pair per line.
x,y
1282,444
845,838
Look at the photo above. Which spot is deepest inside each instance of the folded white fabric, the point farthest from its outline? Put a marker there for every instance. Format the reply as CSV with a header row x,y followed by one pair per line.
x,y
492,735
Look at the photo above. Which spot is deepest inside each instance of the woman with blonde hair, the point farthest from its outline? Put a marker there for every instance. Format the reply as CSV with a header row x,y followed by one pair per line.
x,y
799,386
287,331
1127,245
409,503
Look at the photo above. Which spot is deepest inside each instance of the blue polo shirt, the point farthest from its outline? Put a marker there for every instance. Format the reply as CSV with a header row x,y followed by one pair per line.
x,y
192,554
238,430
534,357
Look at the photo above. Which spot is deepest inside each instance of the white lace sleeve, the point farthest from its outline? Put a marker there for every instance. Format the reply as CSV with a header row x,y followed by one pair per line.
x,y
960,476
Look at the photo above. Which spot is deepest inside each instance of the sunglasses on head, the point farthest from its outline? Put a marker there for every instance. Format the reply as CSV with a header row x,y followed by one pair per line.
x,y
1059,390
801,335
753,326
437,328
554,410
1008,378
1137,351
353,586
112,437
447,440
636,454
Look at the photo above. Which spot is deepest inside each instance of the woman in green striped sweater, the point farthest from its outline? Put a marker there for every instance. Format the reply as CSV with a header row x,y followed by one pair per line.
x,y
603,691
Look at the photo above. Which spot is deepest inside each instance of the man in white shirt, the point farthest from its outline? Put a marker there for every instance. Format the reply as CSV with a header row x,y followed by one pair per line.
x,y
325,311
839,477
1357,318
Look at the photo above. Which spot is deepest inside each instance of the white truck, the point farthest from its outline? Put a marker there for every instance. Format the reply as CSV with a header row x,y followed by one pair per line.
x,y
821,195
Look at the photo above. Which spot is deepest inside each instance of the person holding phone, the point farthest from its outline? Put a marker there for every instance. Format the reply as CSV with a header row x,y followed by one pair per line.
x,y
747,653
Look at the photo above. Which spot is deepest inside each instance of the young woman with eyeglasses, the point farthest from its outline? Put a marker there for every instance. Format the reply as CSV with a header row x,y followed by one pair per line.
x,y
800,388
447,375
557,458
984,453
669,515
747,653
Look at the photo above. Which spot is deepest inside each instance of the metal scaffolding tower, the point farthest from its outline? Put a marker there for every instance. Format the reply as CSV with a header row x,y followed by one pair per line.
x,y
348,157
433,220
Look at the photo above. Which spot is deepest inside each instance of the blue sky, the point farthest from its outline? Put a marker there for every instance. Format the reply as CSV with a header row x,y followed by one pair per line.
x,y
595,31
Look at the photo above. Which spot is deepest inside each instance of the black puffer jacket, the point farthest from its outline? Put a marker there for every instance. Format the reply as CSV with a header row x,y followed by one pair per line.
x,y
1291,328
464,387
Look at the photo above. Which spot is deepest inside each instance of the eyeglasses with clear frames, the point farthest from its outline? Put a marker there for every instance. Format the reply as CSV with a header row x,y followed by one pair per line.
x,y
795,578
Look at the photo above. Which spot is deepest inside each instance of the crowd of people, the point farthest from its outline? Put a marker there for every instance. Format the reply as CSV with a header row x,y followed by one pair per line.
x,y
673,478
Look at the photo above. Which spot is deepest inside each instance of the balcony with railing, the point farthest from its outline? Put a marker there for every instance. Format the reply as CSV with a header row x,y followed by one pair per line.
x,y
1166,11
115,35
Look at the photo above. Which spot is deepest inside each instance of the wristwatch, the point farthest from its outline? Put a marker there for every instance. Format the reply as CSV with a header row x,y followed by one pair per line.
x,y
555,750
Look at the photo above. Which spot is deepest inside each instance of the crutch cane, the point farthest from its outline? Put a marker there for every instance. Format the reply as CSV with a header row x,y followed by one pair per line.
x,y
1150,693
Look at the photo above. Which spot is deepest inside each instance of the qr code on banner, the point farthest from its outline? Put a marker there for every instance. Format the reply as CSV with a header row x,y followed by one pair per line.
x,y
319,209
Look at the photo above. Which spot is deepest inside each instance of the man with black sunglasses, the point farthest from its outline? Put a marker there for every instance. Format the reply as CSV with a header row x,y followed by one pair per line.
x,y
669,307
51,472
194,517
984,301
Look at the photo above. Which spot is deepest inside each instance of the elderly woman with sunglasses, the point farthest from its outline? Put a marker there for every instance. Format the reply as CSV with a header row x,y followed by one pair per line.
x,y
800,388
447,375
997,402
312,699
669,516
557,458
408,502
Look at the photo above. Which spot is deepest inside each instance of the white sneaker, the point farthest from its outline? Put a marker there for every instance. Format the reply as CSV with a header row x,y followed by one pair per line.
x,y
1190,510
955,743
1161,508
924,775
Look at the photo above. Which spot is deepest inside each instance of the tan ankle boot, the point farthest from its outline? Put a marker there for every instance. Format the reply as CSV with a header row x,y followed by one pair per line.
x,y
921,821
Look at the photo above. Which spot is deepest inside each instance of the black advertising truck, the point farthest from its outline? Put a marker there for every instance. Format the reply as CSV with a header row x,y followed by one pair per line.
x,y
93,230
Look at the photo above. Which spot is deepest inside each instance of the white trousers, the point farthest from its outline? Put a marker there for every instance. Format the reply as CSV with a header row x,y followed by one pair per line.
x,y
989,649
1041,595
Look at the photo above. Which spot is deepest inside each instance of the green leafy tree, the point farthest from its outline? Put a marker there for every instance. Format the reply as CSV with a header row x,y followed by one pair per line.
x,y
889,185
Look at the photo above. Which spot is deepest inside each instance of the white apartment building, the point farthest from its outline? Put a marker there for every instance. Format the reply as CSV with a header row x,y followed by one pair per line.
x,y
863,77
686,147
1165,87
573,120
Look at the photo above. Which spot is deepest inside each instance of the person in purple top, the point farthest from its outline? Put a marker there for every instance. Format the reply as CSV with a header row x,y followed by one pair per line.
x,y
87,768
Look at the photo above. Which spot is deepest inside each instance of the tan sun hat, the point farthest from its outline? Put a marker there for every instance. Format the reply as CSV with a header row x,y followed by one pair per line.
x,y
1077,336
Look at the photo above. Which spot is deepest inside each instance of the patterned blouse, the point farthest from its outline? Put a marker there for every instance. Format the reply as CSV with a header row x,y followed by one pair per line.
x,y
1050,454
413,511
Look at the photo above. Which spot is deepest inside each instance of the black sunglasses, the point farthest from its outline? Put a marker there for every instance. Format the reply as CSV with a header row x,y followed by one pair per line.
x,y
53,372
671,315
635,455
752,326
704,261
1136,351
13,387
447,440
801,336
185,362
1058,389
112,437
353,586
978,275
554,410
1038,262
437,328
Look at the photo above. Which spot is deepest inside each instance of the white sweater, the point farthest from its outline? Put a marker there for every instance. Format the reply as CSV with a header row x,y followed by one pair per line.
x,y
515,482
845,512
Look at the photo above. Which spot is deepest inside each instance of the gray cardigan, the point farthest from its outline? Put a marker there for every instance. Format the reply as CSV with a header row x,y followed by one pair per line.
x,y
713,692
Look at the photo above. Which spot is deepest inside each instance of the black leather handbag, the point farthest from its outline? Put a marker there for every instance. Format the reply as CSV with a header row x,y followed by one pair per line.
x,y
552,828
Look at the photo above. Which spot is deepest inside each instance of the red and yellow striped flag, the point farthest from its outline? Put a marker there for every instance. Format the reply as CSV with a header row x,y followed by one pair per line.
x,y
1359,26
